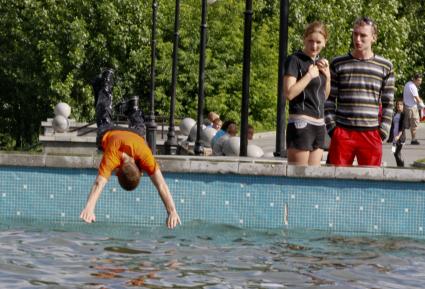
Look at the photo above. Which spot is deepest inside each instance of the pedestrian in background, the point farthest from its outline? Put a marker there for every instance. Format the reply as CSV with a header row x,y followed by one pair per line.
x,y
412,103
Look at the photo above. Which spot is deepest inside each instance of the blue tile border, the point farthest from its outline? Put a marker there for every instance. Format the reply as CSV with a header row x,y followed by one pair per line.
x,y
54,194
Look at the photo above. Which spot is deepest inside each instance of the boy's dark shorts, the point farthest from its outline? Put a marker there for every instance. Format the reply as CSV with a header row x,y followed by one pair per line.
x,y
304,136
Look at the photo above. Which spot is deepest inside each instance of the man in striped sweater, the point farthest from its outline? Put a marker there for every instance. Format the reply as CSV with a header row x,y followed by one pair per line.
x,y
358,112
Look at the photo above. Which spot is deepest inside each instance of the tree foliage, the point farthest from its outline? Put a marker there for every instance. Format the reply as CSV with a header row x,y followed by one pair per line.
x,y
51,49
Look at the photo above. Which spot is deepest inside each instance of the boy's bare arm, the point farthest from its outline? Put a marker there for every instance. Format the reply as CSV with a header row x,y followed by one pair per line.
x,y
88,212
158,180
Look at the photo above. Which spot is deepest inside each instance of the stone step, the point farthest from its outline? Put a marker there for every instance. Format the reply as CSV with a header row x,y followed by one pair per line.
x,y
80,139
89,129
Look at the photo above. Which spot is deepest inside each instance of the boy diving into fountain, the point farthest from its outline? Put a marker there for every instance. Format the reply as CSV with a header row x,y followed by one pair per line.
x,y
124,151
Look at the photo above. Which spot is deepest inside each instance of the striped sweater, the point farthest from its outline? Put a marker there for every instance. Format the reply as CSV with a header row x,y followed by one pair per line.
x,y
358,89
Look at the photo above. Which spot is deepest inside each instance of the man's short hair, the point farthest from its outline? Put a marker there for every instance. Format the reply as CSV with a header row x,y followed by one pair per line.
x,y
366,21
128,176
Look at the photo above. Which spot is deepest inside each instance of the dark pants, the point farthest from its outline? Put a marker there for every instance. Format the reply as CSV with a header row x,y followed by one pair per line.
x,y
397,154
104,117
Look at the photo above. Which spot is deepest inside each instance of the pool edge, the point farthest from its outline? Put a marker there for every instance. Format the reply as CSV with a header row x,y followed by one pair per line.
x,y
226,165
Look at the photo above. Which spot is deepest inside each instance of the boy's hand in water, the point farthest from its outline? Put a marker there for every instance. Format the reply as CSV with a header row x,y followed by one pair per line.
x,y
173,220
88,216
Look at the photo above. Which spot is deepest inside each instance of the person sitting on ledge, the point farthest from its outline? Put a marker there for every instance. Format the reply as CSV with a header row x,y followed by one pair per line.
x,y
124,150
217,123
228,130
250,134
208,122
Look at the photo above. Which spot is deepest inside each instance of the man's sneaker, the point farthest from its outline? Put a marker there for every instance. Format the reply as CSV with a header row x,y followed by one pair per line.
x,y
415,142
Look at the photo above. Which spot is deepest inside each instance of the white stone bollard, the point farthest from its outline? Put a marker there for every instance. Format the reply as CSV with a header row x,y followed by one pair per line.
x,y
60,123
232,146
193,131
63,109
207,135
186,125
254,151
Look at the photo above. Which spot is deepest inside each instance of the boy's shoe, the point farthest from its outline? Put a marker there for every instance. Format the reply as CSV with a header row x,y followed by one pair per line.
x,y
415,142
96,84
103,81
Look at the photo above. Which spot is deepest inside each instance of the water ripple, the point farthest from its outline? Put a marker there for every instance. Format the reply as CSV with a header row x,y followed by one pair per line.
x,y
204,256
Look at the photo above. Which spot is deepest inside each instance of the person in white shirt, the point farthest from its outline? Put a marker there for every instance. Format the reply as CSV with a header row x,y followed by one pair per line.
x,y
411,101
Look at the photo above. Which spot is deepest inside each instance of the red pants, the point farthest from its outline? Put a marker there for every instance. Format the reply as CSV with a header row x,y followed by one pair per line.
x,y
347,144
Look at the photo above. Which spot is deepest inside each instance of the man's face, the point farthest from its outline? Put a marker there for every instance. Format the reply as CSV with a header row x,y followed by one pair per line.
x,y
363,38
418,81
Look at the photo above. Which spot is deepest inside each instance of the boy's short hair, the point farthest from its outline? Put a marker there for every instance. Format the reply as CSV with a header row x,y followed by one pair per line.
x,y
218,121
128,176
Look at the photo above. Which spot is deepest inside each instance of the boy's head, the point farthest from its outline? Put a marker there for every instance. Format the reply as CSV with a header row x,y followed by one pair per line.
x,y
212,116
399,105
232,129
229,126
129,175
417,79
217,123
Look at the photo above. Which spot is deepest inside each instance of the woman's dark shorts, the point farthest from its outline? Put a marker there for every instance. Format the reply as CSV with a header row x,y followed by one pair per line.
x,y
304,136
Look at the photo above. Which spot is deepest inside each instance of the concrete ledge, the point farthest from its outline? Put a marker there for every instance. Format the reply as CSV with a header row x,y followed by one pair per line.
x,y
70,162
357,173
68,137
174,165
310,172
262,169
29,160
213,166
413,175
224,165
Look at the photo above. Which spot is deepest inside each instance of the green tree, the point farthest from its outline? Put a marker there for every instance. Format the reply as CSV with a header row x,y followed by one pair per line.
x,y
51,49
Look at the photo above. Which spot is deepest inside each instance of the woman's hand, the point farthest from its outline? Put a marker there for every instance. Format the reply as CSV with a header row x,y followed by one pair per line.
x,y
323,66
313,71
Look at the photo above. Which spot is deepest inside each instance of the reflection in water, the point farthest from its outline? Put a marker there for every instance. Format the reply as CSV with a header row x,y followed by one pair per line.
x,y
201,255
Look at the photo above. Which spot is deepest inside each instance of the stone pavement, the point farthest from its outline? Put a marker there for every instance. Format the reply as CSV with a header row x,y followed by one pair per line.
x,y
410,153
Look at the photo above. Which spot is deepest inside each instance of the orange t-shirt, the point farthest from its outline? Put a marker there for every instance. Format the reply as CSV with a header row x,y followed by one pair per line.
x,y
115,142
